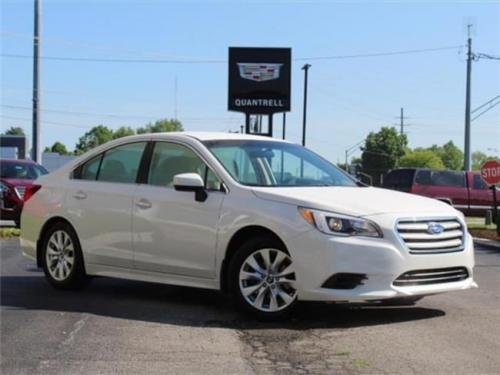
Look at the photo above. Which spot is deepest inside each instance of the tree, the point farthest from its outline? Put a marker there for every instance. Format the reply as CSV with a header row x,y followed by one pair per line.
x,y
59,148
123,131
14,131
382,151
478,158
451,155
422,158
94,137
163,125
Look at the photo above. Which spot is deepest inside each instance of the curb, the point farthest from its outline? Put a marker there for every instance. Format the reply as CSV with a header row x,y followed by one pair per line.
x,y
489,244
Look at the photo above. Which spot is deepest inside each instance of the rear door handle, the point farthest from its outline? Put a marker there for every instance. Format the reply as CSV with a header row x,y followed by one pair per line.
x,y
143,204
79,195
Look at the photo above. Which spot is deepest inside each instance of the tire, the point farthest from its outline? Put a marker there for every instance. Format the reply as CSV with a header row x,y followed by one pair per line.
x,y
62,258
263,288
402,301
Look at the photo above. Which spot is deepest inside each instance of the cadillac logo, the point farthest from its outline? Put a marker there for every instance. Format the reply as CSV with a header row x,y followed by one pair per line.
x,y
434,228
259,72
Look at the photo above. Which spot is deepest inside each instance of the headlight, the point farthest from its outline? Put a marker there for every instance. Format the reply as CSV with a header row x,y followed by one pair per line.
x,y
341,225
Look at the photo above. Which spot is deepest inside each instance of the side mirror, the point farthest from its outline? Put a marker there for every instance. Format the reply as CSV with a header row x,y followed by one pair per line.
x,y
191,182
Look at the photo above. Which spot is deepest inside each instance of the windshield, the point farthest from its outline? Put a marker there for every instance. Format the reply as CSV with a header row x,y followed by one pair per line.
x,y
22,171
268,163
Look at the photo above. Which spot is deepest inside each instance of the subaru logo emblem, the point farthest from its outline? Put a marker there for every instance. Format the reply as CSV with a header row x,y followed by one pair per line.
x,y
434,228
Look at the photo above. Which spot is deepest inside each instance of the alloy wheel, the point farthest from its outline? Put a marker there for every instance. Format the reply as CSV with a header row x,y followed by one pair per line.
x,y
267,280
60,255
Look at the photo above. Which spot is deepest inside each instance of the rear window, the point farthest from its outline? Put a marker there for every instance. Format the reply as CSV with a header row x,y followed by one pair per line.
x,y
399,179
440,178
23,171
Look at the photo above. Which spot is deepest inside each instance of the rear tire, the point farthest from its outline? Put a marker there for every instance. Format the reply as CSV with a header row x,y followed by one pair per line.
x,y
262,279
62,258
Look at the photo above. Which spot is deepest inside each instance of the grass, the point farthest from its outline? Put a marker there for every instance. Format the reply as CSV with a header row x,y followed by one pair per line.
x,y
6,233
360,363
478,223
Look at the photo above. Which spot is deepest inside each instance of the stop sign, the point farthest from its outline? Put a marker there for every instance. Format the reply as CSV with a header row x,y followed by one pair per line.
x,y
490,171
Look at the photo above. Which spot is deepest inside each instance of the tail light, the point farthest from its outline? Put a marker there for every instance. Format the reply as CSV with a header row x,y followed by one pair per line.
x,y
30,191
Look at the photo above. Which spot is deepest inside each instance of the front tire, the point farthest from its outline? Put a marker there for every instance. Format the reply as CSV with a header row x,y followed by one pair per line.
x,y
262,279
62,258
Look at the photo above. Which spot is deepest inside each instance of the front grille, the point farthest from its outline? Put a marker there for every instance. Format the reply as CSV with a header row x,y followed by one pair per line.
x,y
20,190
419,238
435,276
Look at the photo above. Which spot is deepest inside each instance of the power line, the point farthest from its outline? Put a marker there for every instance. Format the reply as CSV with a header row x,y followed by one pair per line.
x,y
486,56
222,61
379,54
46,122
94,114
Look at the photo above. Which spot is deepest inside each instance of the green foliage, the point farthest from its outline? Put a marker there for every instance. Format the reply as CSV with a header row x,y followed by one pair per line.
x,y
478,158
422,159
59,148
123,131
14,131
159,126
451,156
94,137
382,151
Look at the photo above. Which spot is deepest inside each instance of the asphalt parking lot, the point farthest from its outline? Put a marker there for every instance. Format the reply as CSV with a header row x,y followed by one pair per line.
x,y
117,326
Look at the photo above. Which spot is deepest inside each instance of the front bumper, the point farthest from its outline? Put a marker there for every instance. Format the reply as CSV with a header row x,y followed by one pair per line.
x,y
382,260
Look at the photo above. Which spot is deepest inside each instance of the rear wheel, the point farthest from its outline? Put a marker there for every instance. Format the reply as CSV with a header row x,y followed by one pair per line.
x,y
62,257
262,279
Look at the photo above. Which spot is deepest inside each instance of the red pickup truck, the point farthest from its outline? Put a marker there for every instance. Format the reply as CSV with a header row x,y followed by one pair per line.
x,y
466,191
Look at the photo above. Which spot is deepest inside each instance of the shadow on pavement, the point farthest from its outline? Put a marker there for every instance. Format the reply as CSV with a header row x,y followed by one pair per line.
x,y
186,306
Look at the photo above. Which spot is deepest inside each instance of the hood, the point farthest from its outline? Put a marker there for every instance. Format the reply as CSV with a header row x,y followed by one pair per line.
x,y
355,201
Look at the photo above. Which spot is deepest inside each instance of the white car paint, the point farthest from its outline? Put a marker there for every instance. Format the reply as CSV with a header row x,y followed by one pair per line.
x,y
152,233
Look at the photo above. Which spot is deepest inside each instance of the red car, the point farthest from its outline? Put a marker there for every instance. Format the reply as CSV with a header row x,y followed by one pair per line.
x,y
16,180
466,191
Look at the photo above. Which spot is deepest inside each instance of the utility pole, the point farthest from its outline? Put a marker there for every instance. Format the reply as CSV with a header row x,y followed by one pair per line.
x,y
305,68
36,85
467,166
284,125
402,124
175,98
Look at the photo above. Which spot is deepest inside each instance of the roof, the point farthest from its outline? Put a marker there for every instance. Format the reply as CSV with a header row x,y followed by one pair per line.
x,y
19,161
214,136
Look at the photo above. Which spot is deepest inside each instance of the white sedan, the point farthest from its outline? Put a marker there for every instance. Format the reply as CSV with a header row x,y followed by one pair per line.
x,y
266,220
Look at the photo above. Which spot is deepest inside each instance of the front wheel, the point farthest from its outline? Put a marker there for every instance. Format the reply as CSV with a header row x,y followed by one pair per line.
x,y
262,278
62,257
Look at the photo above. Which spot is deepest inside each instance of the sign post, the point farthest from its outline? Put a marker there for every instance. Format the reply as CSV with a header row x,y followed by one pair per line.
x,y
490,171
259,83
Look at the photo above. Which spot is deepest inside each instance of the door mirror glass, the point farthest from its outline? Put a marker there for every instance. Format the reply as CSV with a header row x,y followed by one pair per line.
x,y
191,182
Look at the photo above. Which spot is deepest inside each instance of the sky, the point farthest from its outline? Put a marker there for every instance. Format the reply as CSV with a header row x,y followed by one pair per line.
x,y
347,98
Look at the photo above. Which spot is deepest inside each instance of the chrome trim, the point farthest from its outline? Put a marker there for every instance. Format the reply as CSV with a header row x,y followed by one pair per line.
x,y
427,219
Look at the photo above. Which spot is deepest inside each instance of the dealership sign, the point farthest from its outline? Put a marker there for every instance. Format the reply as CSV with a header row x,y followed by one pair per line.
x,y
259,80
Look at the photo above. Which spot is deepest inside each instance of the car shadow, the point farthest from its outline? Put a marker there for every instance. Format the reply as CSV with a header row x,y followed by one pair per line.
x,y
158,303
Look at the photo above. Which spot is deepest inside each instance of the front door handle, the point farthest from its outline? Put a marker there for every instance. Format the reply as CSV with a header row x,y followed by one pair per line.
x,y
143,204
79,195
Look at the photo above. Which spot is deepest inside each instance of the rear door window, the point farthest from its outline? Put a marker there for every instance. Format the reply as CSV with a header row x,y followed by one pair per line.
x,y
423,177
448,178
121,164
90,169
400,179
